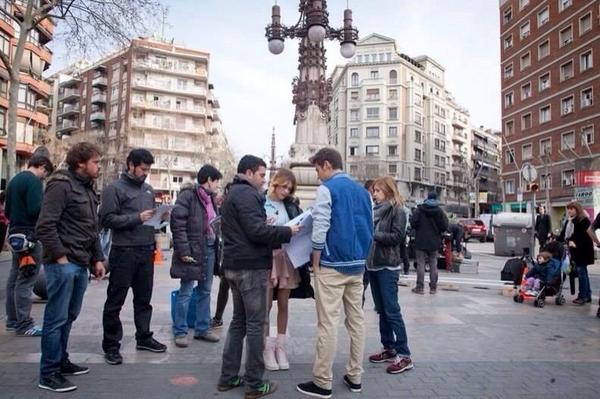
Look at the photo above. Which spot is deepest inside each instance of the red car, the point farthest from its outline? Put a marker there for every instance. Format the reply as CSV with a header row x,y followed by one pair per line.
x,y
474,228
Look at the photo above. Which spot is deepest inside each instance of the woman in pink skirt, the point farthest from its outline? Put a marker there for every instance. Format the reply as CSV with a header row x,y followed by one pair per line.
x,y
281,208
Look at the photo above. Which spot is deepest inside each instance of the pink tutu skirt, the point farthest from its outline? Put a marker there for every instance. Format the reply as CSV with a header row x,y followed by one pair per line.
x,y
283,271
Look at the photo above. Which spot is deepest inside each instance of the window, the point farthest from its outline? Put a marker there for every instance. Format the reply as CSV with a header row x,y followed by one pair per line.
x,y
526,121
510,157
523,4
508,71
567,141
417,174
417,155
546,146
543,16
587,135
507,15
393,77
374,74
392,150
418,119
509,128
372,113
354,95
509,186
392,169
524,30
354,79
508,42
566,71
565,36
392,131
568,178
525,91
372,150
526,151
372,94
388,56
546,182
393,113
585,23
544,81
418,136
393,94
543,49
354,132
440,145
353,170
567,105
564,4
545,115
353,151
508,99
373,131
4,43
2,122
525,60
587,97
354,115
585,61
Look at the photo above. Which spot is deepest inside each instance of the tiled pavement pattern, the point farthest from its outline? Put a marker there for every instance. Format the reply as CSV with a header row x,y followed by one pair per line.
x,y
470,343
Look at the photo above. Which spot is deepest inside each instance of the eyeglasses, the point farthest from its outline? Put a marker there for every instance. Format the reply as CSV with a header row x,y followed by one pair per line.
x,y
285,187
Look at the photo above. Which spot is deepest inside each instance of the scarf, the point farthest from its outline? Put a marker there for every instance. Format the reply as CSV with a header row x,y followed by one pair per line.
x,y
210,214
570,229
379,211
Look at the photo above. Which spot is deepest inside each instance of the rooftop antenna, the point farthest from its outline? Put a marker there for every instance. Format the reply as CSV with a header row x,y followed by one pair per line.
x,y
273,162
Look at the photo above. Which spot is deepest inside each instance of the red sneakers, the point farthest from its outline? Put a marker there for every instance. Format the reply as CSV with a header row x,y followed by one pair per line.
x,y
386,355
400,365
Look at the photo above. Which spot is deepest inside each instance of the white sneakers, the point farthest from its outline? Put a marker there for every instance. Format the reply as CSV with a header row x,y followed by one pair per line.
x,y
275,355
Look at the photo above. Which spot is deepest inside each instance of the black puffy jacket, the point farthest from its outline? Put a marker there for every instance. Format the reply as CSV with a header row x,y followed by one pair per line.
x,y
429,222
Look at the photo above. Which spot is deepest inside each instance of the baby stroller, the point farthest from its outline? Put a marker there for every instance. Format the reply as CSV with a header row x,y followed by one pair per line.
x,y
547,289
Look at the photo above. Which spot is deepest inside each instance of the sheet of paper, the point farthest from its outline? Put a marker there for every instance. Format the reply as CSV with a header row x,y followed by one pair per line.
x,y
302,219
156,221
300,246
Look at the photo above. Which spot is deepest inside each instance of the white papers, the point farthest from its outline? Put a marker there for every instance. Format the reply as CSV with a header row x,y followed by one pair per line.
x,y
156,221
300,246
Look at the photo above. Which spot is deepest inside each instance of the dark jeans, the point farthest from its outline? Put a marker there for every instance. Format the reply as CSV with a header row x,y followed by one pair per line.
x,y
249,293
18,292
222,298
429,258
384,288
129,267
66,286
585,291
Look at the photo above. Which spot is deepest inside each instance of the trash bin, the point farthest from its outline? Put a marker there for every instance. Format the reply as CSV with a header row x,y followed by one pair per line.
x,y
512,234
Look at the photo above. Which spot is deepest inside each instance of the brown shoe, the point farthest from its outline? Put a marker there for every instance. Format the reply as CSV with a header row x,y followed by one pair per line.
x,y
265,388
418,291
433,291
400,365
386,355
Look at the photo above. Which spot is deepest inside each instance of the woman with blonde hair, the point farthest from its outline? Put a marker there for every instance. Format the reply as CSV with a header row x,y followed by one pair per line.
x,y
384,265
280,207
576,235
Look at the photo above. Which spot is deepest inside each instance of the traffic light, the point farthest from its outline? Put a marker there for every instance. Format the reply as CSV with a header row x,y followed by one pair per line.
x,y
534,187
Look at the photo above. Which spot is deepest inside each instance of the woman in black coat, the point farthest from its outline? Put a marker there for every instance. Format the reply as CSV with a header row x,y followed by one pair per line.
x,y
384,264
576,233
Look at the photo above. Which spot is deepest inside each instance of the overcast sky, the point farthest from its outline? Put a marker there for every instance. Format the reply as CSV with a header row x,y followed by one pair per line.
x,y
254,86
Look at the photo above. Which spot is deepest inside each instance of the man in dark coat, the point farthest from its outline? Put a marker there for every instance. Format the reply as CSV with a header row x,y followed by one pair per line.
x,y
247,260
543,226
429,222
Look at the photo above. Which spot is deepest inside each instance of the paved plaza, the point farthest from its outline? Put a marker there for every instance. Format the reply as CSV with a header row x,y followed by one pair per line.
x,y
467,342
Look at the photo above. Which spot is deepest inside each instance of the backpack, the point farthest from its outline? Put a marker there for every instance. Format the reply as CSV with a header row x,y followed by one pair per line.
x,y
513,270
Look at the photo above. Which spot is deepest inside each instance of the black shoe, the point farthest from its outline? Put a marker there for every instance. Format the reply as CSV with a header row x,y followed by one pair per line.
x,y
356,388
113,357
68,368
56,383
598,312
151,345
311,389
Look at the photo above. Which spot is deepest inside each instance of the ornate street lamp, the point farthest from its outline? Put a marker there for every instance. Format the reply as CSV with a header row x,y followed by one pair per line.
x,y
311,90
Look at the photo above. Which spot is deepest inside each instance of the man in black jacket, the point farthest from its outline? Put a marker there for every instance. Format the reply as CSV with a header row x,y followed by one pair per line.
x,y
543,226
68,230
126,204
429,222
247,260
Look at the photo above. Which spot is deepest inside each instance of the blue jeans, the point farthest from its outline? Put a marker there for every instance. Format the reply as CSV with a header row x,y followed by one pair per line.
x,y
249,293
66,286
180,325
384,288
585,291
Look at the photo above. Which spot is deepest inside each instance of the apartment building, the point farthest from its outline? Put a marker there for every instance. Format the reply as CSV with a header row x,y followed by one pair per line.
x,y
32,112
153,95
550,84
392,115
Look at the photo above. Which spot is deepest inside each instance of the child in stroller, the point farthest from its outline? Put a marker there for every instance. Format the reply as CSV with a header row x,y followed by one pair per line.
x,y
541,280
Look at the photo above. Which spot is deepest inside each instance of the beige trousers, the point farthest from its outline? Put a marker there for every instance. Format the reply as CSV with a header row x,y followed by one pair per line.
x,y
332,289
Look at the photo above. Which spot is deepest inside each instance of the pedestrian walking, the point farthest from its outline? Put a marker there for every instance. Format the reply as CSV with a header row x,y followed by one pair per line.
x,y
68,230
126,204
341,239
195,245
429,222
23,203
247,260
543,226
281,208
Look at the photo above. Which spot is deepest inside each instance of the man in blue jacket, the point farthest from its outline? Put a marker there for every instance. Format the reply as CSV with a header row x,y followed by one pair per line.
x,y
341,239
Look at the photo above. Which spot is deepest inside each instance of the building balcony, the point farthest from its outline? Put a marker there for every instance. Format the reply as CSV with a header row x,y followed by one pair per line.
x,y
70,82
66,126
98,116
99,98
100,81
37,85
69,95
169,127
194,110
459,122
172,68
167,87
216,127
69,110
458,168
459,137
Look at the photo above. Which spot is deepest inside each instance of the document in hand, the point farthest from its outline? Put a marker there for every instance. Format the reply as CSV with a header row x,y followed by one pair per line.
x,y
158,212
300,246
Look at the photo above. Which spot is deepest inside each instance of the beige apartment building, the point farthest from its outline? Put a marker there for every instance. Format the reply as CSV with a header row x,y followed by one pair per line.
x,y
154,95
392,115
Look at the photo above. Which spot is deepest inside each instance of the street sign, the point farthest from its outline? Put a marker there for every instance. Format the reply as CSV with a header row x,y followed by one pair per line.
x,y
528,172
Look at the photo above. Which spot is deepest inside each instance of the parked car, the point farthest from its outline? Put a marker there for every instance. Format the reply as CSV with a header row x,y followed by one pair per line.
x,y
474,228
488,221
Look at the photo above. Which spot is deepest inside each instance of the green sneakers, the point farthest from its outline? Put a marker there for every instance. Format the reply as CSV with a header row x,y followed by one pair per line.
x,y
232,383
266,388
